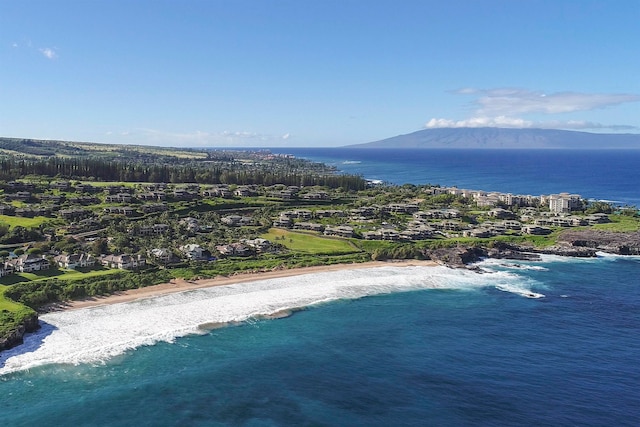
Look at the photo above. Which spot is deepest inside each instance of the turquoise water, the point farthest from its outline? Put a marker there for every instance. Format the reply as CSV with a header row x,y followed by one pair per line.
x,y
377,347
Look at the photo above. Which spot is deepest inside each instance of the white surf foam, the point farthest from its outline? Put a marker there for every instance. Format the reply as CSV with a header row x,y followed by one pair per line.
x,y
512,264
612,257
93,335
519,290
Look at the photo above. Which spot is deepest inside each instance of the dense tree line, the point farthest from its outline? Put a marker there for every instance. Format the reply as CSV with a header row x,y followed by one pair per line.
x,y
188,172
38,293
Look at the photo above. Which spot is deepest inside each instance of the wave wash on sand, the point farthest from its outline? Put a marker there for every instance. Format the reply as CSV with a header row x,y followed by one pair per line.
x,y
95,334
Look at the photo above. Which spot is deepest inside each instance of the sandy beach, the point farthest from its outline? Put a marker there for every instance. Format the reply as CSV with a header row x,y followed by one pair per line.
x,y
181,285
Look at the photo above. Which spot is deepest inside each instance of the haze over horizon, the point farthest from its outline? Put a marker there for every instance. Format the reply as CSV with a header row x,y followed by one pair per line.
x,y
332,73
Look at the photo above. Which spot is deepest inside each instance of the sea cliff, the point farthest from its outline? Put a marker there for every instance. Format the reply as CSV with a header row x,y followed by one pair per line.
x,y
14,336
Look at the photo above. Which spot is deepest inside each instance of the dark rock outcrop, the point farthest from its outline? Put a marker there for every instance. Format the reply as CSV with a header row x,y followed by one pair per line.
x,y
14,338
605,241
458,256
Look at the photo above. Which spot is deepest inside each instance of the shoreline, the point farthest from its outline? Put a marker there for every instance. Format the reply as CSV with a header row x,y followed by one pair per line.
x,y
182,285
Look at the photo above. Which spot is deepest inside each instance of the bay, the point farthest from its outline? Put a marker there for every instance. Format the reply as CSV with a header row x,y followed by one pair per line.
x,y
421,347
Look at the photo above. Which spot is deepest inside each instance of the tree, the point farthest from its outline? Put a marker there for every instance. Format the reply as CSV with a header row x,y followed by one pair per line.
x,y
599,207
99,247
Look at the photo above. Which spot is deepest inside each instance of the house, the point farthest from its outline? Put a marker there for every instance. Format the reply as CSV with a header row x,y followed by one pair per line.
x,y
7,210
74,261
122,210
259,245
401,208
316,195
118,198
234,249
364,212
311,226
6,269
28,263
60,185
245,191
237,220
154,207
163,255
283,194
597,218
153,196
340,230
328,213
501,213
184,194
86,188
74,213
302,213
536,230
193,251
478,232
382,234
20,195
221,190
115,189
282,222
124,262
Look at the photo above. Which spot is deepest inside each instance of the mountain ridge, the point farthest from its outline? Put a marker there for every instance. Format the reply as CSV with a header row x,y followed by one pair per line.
x,y
506,138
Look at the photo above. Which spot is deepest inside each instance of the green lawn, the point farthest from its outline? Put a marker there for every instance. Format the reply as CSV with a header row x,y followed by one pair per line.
x,y
309,243
620,224
14,221
58,274
6,304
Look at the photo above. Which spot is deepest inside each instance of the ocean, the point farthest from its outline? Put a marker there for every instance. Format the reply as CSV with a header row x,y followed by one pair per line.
x,y
609,175
551,342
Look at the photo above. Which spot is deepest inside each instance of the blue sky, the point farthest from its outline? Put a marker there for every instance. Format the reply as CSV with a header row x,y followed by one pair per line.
x,y
261,73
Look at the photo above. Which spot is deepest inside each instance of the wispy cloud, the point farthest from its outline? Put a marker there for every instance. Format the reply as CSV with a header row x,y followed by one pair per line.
x,y
514,122
48,52
519,101
503,107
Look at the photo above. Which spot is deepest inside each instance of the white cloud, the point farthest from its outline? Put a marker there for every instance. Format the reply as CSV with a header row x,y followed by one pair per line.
x,y
504,101
48,53
476,122
504,107
514,122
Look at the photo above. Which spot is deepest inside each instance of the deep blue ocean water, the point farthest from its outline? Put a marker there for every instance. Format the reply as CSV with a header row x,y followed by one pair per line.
x,y
612,175
425,346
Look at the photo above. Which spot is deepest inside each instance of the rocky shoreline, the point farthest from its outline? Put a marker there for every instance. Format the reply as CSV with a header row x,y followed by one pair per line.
x,y
15,338
572,243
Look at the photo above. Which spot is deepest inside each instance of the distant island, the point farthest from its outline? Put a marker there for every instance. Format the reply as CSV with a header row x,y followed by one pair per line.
x,y
506,138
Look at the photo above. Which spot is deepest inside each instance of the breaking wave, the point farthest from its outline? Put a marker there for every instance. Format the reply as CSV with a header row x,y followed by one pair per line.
x,y
93,335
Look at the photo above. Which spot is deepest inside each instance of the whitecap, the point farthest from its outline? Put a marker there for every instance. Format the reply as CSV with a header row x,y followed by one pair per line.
x,y
519,290
93,335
